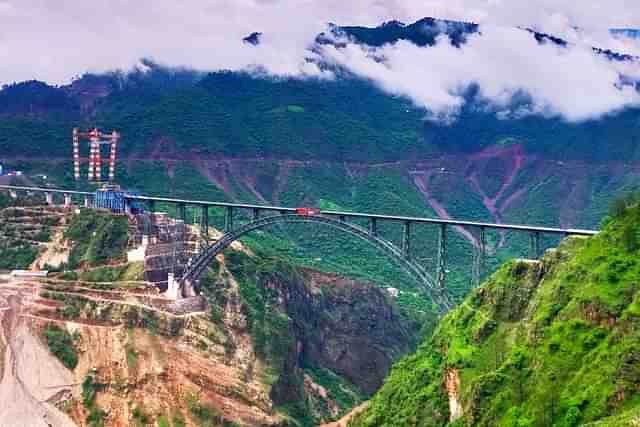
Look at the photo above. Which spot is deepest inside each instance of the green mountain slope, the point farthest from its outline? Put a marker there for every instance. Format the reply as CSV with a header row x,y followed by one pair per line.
x,y
337,144
555,342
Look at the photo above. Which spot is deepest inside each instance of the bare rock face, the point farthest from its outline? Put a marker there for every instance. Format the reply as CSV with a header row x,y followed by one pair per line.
x,y
322,336
347,327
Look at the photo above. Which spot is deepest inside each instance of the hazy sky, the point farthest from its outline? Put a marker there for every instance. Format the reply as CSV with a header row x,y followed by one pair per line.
x,y
57,40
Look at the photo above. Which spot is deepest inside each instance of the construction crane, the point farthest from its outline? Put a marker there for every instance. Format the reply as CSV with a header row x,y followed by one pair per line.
x,y
96,139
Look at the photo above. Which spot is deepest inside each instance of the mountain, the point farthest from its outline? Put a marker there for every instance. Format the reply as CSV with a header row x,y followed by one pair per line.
x,y
340,144
421,33
549,342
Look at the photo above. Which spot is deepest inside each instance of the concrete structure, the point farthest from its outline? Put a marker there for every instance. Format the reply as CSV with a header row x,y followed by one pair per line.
x,y
173,288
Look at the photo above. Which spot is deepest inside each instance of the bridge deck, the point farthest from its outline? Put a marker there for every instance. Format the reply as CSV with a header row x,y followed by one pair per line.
x,y
281,209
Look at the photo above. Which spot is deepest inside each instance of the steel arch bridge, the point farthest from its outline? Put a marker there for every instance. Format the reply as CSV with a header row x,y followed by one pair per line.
x,y
198,265
339,220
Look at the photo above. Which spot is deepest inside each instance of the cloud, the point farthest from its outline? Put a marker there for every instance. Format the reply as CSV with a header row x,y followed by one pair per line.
x,y
55,41
502,62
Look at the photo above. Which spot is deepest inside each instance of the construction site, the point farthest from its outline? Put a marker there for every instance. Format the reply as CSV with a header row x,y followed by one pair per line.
x,y
96,270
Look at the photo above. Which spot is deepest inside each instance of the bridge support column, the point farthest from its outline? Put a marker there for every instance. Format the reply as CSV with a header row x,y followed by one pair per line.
x,y
173,287
534,245
256,214
182,212
13,194
86,201
67,200
442,257
373,227
479,257
127,206
228,219
205,221
406,240
48,198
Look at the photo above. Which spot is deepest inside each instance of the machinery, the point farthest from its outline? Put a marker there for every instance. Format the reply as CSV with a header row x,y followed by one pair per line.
x,y
96,140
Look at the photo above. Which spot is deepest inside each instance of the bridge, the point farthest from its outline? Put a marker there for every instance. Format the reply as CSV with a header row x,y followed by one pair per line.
x,y
262,216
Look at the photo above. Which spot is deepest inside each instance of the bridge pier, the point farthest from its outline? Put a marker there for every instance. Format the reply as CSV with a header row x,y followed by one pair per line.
x,y
151,205
173,287
534,245
373,227
13,194
205,221
406,240
182,212
256,214
48,197
228,219
479,257
442,257
67,200
86,201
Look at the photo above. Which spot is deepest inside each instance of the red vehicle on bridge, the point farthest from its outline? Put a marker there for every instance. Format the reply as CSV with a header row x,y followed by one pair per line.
x,y
307,211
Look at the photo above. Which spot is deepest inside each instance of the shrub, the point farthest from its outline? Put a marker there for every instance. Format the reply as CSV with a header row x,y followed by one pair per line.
x,y
61,345
139,417
618,207
98,237
89,390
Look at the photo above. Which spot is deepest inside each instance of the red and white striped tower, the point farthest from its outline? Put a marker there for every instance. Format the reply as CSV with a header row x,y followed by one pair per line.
x,y
76,154
96,140
90,174
112,158
97,162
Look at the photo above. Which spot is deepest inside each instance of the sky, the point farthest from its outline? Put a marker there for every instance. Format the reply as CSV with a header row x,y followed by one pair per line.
x,y
57,41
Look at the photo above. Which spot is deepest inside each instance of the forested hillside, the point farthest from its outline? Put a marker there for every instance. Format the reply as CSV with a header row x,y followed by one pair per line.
x,y
553,342
340,144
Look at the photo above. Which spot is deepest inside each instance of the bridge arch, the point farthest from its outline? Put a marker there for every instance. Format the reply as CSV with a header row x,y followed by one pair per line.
x,y
199,264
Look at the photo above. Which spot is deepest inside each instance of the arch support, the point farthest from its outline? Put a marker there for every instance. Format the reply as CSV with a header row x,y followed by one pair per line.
x,y
199,264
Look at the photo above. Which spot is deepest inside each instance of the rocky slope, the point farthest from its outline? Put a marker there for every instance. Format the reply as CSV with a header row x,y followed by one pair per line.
x,y
277,345
550,342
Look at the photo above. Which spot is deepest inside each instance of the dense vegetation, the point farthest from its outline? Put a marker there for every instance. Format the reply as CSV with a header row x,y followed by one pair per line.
x,y
98,237
90,388
282,317
61,344
550,343
171,112
16,255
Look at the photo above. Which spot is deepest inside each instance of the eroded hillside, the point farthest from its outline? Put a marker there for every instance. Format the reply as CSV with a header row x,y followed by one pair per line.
x,y
271,344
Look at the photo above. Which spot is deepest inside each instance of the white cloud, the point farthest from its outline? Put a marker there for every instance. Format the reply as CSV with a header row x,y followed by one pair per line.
x,y
572,82
54,41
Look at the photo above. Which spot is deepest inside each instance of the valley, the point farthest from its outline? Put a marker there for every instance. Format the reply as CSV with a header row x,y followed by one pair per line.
x,y
122,310
267,342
